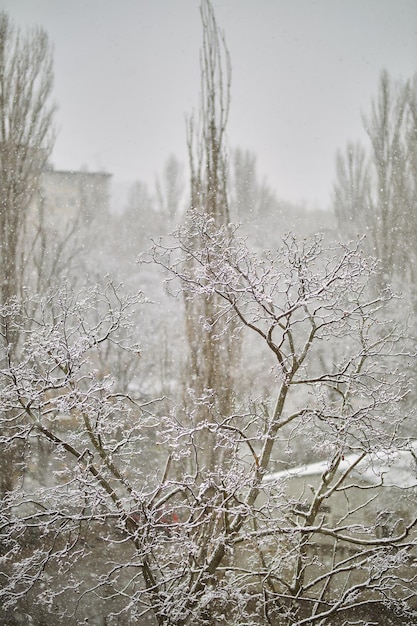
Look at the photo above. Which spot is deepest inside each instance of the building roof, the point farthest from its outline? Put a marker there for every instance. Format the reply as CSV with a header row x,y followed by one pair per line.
x,y
390,468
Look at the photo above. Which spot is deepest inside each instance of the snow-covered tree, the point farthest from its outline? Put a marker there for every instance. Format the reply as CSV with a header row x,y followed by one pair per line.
x,y
118,525
128,506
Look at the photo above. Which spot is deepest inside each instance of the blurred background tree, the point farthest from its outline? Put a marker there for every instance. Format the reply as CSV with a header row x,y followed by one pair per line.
x,y
375,191
26,139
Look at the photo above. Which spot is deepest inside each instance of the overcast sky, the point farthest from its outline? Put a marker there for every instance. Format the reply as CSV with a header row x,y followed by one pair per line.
x,y
127,73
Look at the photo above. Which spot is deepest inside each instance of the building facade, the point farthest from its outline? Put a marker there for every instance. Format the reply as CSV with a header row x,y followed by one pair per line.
x,y
73,195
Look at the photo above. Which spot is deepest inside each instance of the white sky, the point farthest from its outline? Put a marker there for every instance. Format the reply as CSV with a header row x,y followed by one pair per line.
x,y
127,73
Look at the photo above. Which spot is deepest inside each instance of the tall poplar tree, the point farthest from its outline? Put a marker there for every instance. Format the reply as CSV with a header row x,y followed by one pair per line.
x,y
26,139
211,347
